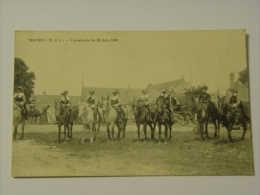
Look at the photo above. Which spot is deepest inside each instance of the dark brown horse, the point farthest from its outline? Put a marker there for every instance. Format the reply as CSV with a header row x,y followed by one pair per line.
x,y
141,114
229,117
164,117
62,118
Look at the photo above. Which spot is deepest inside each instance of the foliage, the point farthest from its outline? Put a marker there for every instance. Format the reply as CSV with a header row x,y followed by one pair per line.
x,y
193,91
243,76
23,78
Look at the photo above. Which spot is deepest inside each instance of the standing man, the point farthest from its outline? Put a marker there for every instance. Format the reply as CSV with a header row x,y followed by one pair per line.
x,y
116,104
233,103
20,101
174,103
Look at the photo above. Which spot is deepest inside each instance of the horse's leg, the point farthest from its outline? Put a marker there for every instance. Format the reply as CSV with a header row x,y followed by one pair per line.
x,y
206,130
244,125
201,129
144,129
170,131
216,127
165,131
159,126
91,126
124,127
65,126
119,131
84,133
35,120
108,131
59,127
15,131
23,124
112,130
229,132
152,132
138,130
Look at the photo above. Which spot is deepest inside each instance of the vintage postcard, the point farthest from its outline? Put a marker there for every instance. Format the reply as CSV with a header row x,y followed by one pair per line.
x,y
131,103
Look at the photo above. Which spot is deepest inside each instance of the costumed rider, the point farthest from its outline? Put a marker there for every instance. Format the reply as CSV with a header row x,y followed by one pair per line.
x,y
91,100
233,103
65,101
144,99
174,104
116,104
164,96
33,103
204,99
204,96
20,100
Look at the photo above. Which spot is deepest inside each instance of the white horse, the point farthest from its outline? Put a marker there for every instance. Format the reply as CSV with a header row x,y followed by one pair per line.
x,y
87,115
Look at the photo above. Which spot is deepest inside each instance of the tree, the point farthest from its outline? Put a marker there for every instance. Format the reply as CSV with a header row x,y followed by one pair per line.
x,y
243,76
23,78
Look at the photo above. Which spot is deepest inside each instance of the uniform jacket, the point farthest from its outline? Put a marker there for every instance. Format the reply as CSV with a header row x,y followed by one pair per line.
x,y
115,101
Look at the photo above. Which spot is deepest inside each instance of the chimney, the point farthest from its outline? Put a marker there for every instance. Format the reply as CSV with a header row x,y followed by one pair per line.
x,y
232,79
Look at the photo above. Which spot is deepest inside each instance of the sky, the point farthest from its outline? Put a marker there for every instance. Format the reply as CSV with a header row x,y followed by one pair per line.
x,y
122,58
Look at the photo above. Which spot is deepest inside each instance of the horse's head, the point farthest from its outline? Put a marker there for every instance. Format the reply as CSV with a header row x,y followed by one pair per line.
x,y
105,102
82,108
160,105
59,110
223,105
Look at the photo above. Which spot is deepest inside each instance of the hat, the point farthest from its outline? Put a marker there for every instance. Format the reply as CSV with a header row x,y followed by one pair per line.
x,y
92,91
65,92
164,91
204,87
115,92
234,90
146,91
172,91
20,87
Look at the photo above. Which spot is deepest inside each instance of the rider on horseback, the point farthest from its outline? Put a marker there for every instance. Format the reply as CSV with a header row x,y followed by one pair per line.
x,y
144,99
20,101
65,101
233,103
204,96
204,99
33,104
116,104
91,100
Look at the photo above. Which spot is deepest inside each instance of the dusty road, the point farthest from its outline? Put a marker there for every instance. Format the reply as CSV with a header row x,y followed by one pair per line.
x,y
39,154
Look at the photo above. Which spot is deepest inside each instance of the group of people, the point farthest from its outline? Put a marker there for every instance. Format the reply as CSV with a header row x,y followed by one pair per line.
x,y
168,97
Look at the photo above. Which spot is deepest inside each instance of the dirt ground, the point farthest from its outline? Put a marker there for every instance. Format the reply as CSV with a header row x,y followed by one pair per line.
x,y
40,154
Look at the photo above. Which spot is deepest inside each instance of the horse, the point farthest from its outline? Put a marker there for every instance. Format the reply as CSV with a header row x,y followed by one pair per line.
x,y
62,118
214,117
229,117
141,114
164,117
111,118
75,113
202,118
18,118
87,115
33,114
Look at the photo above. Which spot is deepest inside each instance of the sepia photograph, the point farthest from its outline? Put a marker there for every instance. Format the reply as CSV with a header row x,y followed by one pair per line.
x,y
131,103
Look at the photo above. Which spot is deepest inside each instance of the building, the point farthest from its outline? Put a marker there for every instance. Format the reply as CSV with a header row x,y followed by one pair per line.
x,y
243,90
179,86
